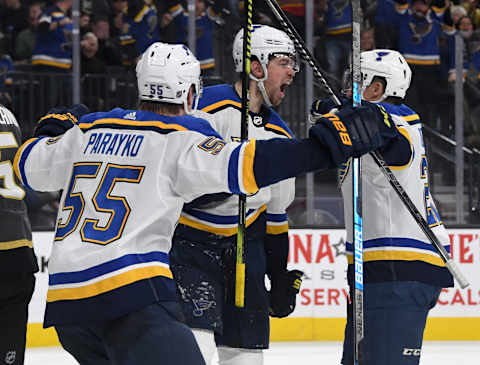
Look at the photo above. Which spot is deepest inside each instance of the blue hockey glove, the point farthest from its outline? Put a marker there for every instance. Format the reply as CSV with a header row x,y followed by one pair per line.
x,y
353,132
283,293
59,120
324,106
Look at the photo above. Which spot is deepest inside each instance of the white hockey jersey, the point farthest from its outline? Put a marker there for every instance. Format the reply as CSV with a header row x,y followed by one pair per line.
x,y
389,231
223,106
125,176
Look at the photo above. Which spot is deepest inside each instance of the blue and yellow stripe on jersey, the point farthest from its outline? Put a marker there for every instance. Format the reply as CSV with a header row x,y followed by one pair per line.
x,y
219,97
143,120
107,276
175,10
139,17
401,8
402,111
241,179
21,157
223,225
338,18
342,29
398,249
277,223
278,126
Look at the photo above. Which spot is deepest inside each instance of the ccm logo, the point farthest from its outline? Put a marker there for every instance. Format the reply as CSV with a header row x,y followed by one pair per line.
x,y
411,352
340,127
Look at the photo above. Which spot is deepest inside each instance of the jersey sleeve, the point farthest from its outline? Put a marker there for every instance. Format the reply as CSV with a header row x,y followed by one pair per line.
x,y
40,163
207,164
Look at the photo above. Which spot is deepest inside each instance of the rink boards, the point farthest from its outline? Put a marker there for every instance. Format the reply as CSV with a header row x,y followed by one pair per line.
x,y
320,310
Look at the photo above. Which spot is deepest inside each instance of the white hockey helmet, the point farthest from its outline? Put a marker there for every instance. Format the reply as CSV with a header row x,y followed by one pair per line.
x,y
266,42
390,65
165,73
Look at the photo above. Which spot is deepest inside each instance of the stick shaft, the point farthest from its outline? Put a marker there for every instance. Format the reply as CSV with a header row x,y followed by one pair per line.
x,y
357,198
240,264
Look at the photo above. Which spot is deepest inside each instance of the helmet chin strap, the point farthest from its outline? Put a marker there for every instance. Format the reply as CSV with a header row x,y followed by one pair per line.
x,y
382,98
261,86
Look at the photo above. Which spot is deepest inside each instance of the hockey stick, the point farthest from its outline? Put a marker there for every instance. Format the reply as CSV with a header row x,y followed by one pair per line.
x,y
242,199
403,196
358,315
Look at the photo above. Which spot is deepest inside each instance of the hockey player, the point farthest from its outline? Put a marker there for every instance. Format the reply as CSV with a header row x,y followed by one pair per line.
x,y
17,259
403,275
203,251
125,175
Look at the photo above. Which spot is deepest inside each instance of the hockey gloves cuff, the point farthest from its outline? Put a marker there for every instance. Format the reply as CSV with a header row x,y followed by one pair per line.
x,y
59,120
323,106
352,132
283,293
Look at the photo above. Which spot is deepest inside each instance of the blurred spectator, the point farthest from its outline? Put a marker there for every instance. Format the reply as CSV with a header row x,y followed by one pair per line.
x,y
91,64
118,9
367,39
386,33
369,12
167,10
457,11
419,28
25,42
338,35
109,50
85,25
471,68
53,51
471,47
204,25
14,19
142,23
93,87
473,11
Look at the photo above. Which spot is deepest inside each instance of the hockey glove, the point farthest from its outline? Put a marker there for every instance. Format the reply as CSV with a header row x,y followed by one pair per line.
x,y
352,132
283,292
323,106
59,120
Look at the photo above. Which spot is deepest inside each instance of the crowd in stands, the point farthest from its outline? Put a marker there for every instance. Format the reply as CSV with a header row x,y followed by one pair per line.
x,y
36,35
115,32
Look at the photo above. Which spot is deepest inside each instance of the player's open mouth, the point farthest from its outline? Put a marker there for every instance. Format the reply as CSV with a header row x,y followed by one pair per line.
x,y
283,87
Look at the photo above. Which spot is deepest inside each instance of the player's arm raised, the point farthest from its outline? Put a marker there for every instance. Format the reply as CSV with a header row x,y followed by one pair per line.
x,y
56,138
212,165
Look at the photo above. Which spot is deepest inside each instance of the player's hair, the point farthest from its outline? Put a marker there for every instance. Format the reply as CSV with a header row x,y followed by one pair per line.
x,y
160,107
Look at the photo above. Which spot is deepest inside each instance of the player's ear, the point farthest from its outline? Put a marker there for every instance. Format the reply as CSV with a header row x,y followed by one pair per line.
x,y
256,69
190,97
378,89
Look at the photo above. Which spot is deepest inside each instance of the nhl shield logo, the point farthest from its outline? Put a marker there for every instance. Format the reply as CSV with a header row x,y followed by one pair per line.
x,y
10,357
257,120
